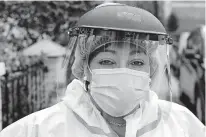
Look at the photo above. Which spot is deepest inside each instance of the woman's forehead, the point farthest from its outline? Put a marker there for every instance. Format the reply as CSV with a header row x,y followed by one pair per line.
x,y
123,46
120,48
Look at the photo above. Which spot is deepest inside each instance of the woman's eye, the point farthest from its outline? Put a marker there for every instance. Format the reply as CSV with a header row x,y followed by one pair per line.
x,y
106,62
137,63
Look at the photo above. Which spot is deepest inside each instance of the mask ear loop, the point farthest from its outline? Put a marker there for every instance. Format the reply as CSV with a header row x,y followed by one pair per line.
x,y
86,79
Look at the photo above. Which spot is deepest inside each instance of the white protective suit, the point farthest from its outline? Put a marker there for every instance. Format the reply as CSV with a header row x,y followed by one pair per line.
x,y
76,116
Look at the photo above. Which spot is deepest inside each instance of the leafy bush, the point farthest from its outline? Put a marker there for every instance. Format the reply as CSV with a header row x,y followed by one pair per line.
x,y
24,23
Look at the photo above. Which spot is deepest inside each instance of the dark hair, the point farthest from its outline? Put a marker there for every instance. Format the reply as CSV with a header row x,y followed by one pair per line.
x,y
94,53
97,51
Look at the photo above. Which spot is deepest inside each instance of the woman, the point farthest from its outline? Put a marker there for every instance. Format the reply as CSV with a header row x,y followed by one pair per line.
x,y
120,56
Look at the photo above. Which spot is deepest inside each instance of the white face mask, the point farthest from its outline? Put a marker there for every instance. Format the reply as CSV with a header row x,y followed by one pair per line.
x,y
119,91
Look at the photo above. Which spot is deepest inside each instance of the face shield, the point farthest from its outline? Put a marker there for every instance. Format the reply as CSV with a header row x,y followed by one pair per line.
x,y
97,49
139,52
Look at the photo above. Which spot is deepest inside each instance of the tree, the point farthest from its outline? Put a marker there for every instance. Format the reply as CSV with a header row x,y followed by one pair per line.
x,y
24,23
172,23
41,19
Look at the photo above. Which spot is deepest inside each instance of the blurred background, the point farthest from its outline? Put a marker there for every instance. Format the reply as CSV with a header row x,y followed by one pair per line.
x,y
34,40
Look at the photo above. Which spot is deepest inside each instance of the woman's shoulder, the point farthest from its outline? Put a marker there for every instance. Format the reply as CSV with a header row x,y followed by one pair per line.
x,y
165,105
175,113
175,110
57,110
43,118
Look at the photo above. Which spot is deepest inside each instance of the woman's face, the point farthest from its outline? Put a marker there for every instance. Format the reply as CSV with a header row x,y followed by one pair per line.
x,y
120,55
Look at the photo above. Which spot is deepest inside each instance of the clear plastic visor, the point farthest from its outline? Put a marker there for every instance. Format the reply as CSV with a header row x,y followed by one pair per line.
x,y
137,55
101,49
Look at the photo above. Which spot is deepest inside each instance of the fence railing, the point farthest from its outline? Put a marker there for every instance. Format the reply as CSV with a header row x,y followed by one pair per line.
x,y
22,92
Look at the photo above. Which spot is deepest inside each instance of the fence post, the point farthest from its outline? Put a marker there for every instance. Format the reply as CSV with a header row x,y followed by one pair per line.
x,y
15,84
1,118
2,72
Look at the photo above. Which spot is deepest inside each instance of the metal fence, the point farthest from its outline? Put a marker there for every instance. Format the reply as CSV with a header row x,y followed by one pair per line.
x,y
22,92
